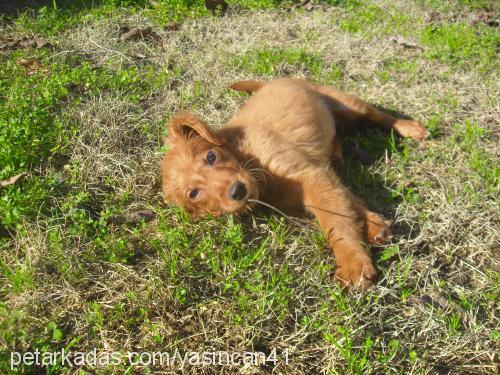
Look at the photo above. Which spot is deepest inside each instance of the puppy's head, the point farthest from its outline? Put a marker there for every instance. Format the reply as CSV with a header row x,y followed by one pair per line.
x,y
201,174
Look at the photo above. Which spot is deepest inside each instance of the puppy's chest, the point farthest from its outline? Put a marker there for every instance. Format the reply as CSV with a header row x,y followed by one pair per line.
x,y
284,159
283,192
279,175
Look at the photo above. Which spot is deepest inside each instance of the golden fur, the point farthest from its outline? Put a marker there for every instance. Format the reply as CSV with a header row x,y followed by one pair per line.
x,y
278,149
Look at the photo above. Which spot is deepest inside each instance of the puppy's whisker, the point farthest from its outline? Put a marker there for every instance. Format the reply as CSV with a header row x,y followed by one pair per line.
x,y
295,221
248,162
263,174
262,170
257,174
259,177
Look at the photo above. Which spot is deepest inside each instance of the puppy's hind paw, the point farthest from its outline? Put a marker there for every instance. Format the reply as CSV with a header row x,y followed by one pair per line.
x,y
411,129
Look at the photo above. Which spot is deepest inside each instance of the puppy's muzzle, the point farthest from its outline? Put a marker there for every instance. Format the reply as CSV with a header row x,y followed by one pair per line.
x,y
238,191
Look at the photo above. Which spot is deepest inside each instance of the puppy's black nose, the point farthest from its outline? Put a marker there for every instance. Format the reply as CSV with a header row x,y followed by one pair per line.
x,y
238,191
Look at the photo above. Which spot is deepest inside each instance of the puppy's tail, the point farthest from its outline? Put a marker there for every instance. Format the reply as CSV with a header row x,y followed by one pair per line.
x,y
247,86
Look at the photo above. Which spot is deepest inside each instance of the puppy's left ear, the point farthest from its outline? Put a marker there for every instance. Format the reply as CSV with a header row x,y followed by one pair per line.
x,y
186,125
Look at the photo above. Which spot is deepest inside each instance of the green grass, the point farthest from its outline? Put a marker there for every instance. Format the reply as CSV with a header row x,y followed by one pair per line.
x,y
52,17
273,61
87,135
463,45
460,44
36,128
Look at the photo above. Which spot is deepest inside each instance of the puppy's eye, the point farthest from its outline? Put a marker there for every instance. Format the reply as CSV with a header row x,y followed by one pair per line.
x,y
193,193
211,157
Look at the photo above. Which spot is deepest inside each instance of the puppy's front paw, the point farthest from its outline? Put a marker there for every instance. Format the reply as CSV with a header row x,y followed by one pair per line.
x,y
357,271
411,129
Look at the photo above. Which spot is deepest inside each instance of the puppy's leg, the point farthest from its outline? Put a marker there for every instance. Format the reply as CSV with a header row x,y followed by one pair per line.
x,y
353,109
343,226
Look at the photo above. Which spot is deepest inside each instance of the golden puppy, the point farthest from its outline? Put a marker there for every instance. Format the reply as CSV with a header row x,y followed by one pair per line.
x,y
277,149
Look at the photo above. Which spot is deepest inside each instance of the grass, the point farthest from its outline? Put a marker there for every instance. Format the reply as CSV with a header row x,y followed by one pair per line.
x,y
85,130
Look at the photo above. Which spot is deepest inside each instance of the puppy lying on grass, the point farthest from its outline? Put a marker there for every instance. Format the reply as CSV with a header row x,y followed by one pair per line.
x,y
277,150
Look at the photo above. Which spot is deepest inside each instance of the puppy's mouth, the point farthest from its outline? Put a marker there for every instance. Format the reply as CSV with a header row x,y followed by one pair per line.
x,y
250,199
246,204
252,196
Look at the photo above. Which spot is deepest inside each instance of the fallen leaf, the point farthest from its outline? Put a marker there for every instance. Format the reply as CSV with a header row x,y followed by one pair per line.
x,y
31,65
133,217
136,33
487,17
172,26
482,16
33,42
435,17
123,30
215,5
12,180
26,42
306,5
404,43
9,45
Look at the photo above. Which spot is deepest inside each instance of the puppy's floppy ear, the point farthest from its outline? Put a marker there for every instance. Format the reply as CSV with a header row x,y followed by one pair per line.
x,y
187,125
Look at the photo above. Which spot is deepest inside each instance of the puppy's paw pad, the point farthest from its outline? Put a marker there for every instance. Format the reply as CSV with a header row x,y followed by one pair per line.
x,y
411,129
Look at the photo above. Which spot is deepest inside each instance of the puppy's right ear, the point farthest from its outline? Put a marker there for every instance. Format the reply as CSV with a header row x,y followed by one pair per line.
x,y
185,126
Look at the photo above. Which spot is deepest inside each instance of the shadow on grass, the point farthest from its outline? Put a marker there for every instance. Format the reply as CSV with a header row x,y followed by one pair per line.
x,y
365,144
